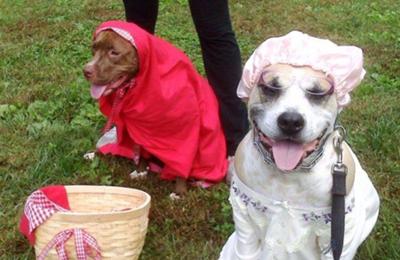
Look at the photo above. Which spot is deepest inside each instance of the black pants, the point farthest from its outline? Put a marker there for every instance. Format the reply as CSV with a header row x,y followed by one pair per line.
x,y
221,56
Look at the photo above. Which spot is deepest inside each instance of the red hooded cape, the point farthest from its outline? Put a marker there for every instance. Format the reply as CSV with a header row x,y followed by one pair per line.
x,y
170,112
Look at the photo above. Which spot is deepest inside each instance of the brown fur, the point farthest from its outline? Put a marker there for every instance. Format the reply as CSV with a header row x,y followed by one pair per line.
x,y
113,57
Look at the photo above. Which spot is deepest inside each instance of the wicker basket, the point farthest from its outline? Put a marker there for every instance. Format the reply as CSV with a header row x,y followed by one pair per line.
x,y
116,217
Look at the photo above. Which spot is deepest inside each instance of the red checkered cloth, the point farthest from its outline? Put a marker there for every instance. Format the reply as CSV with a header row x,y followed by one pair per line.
x,y
85,245
40,206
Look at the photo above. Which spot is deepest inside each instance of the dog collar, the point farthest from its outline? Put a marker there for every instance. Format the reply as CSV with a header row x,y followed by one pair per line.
x,y
308,163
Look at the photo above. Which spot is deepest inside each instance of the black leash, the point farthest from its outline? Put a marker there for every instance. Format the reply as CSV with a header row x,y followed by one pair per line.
x,y
339,172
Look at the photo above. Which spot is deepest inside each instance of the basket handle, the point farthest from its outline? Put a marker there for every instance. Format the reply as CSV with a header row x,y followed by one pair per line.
x,y
85,244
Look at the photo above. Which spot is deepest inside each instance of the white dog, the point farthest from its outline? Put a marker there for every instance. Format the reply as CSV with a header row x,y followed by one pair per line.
x,y
281,189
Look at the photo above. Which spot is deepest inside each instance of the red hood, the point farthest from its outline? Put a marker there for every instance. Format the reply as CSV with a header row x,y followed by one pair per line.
x,y
171,111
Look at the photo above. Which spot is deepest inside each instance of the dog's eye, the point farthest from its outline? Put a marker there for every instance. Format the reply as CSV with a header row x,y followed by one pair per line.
x,y
114,53
319,93
269,90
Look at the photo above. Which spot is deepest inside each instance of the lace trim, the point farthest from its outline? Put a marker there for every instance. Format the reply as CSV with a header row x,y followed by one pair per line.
x,y
308,217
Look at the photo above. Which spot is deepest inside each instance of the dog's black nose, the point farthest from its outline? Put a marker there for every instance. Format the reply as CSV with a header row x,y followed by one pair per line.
x,y
290,122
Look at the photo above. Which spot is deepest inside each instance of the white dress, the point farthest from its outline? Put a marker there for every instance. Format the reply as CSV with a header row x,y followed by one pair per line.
x,y
269,229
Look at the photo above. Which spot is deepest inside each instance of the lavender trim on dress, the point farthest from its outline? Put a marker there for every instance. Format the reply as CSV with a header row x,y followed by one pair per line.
x,y
326,217
309,217
248,200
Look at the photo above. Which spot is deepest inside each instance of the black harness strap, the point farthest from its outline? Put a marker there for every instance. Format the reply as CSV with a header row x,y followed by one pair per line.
x,y
339,172
338,209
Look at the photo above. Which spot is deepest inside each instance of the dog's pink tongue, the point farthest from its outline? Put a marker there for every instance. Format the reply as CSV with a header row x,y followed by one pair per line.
x,y
97,91
287,155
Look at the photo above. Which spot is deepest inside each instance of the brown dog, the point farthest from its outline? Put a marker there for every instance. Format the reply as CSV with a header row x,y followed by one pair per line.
x,y
114,62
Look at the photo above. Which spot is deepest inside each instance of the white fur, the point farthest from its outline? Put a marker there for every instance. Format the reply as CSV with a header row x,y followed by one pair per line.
x,y
295,189
293,98
295,186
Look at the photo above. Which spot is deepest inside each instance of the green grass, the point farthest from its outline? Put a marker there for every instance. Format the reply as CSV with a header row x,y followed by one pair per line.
x,y
48,120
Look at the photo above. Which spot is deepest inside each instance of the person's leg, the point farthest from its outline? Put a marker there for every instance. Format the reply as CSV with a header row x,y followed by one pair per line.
x,y
142,12
222,63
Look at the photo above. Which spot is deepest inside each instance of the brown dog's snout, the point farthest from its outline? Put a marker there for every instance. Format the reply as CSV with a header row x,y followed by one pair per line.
x,y
88,71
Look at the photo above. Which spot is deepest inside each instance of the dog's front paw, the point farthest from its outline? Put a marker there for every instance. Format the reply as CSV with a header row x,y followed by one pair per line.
x,y
138,175
89,156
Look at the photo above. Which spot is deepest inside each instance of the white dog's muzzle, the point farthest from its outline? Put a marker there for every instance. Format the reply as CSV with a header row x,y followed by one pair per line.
x,y
306,163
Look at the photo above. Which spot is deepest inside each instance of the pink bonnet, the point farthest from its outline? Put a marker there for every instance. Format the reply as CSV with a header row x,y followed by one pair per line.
x,y
344,64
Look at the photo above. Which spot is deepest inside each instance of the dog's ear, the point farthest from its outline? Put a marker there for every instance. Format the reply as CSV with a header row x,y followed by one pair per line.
x,y
240,87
